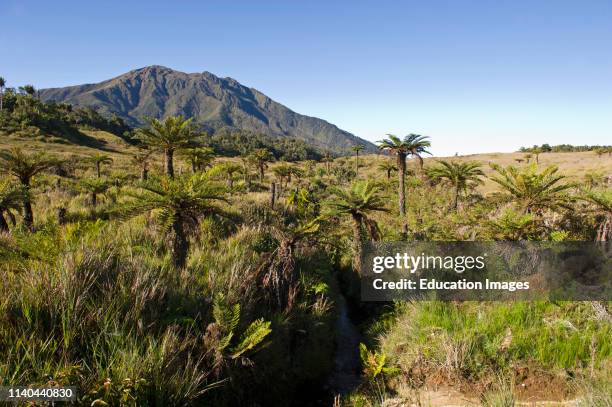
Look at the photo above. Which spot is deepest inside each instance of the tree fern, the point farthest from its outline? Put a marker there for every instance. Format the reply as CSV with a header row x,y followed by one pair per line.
x,y
251,337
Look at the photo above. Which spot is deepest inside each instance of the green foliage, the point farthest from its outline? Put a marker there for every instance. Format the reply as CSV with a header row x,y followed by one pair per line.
x,y
531,190
562,148
12,197
26,115
183,291
172,133
462,176
512,225
199,157
487,338
185,198
373,362
25,166
361,198
251,337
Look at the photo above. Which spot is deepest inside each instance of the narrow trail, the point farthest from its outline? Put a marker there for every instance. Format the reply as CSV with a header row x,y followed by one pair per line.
x,y
347,365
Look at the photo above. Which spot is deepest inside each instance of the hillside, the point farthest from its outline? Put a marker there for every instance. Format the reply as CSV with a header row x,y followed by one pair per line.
x,y
213,102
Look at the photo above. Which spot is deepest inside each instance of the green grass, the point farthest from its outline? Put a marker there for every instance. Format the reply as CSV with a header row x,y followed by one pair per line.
x,y
96,302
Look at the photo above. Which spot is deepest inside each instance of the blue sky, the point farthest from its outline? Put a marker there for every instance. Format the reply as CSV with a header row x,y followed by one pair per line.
x,y
475,76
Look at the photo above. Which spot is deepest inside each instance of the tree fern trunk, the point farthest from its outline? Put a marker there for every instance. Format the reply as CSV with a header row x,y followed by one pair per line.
x,y
420,164
61,215
401,165
357,244
180,245
169,153
4,227
273,194
28,214
456,199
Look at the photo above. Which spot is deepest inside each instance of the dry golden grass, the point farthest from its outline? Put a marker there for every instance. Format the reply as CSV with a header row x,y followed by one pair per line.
x,y
574,165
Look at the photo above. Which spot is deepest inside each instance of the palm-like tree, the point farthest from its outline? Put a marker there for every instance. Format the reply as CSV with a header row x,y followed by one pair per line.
x,y
359,202
400,148
537,151
11,200
295,171
281,275
230,168
28,89
24,167
2,85
417,146
261,157
328,159
356,149
461,176
97,159
181,203
601,202
142,159
283,173
533,191
172,134
94,187
387,167
199,157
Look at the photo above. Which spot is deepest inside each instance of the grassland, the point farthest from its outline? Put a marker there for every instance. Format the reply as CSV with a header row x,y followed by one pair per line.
x,y
98,302
573,165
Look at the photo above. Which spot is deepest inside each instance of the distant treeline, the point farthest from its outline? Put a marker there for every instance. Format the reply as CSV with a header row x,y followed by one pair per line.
x,y
561,148
235,142
23,113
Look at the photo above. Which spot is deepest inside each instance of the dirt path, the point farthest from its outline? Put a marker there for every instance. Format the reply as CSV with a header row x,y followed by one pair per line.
x,y
347,365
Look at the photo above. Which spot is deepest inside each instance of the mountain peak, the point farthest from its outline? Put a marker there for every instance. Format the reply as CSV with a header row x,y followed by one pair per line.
x,y
213,102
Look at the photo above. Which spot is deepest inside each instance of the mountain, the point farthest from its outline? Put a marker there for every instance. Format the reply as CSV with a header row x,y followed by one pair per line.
x,y
213,102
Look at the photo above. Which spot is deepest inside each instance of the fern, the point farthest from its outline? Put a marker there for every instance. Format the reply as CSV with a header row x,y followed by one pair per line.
x,y
226,317
251,337
374,363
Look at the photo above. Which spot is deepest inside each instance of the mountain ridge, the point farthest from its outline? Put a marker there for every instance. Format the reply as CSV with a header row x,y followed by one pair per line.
x,y
213,102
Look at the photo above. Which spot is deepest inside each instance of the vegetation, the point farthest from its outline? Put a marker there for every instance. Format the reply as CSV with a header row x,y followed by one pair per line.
x,y
12,198
563,148
462,176
24,115
24,167
143,283
399,148
182,202
169,135
358,202
97,160
388,168
233,111
534,191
